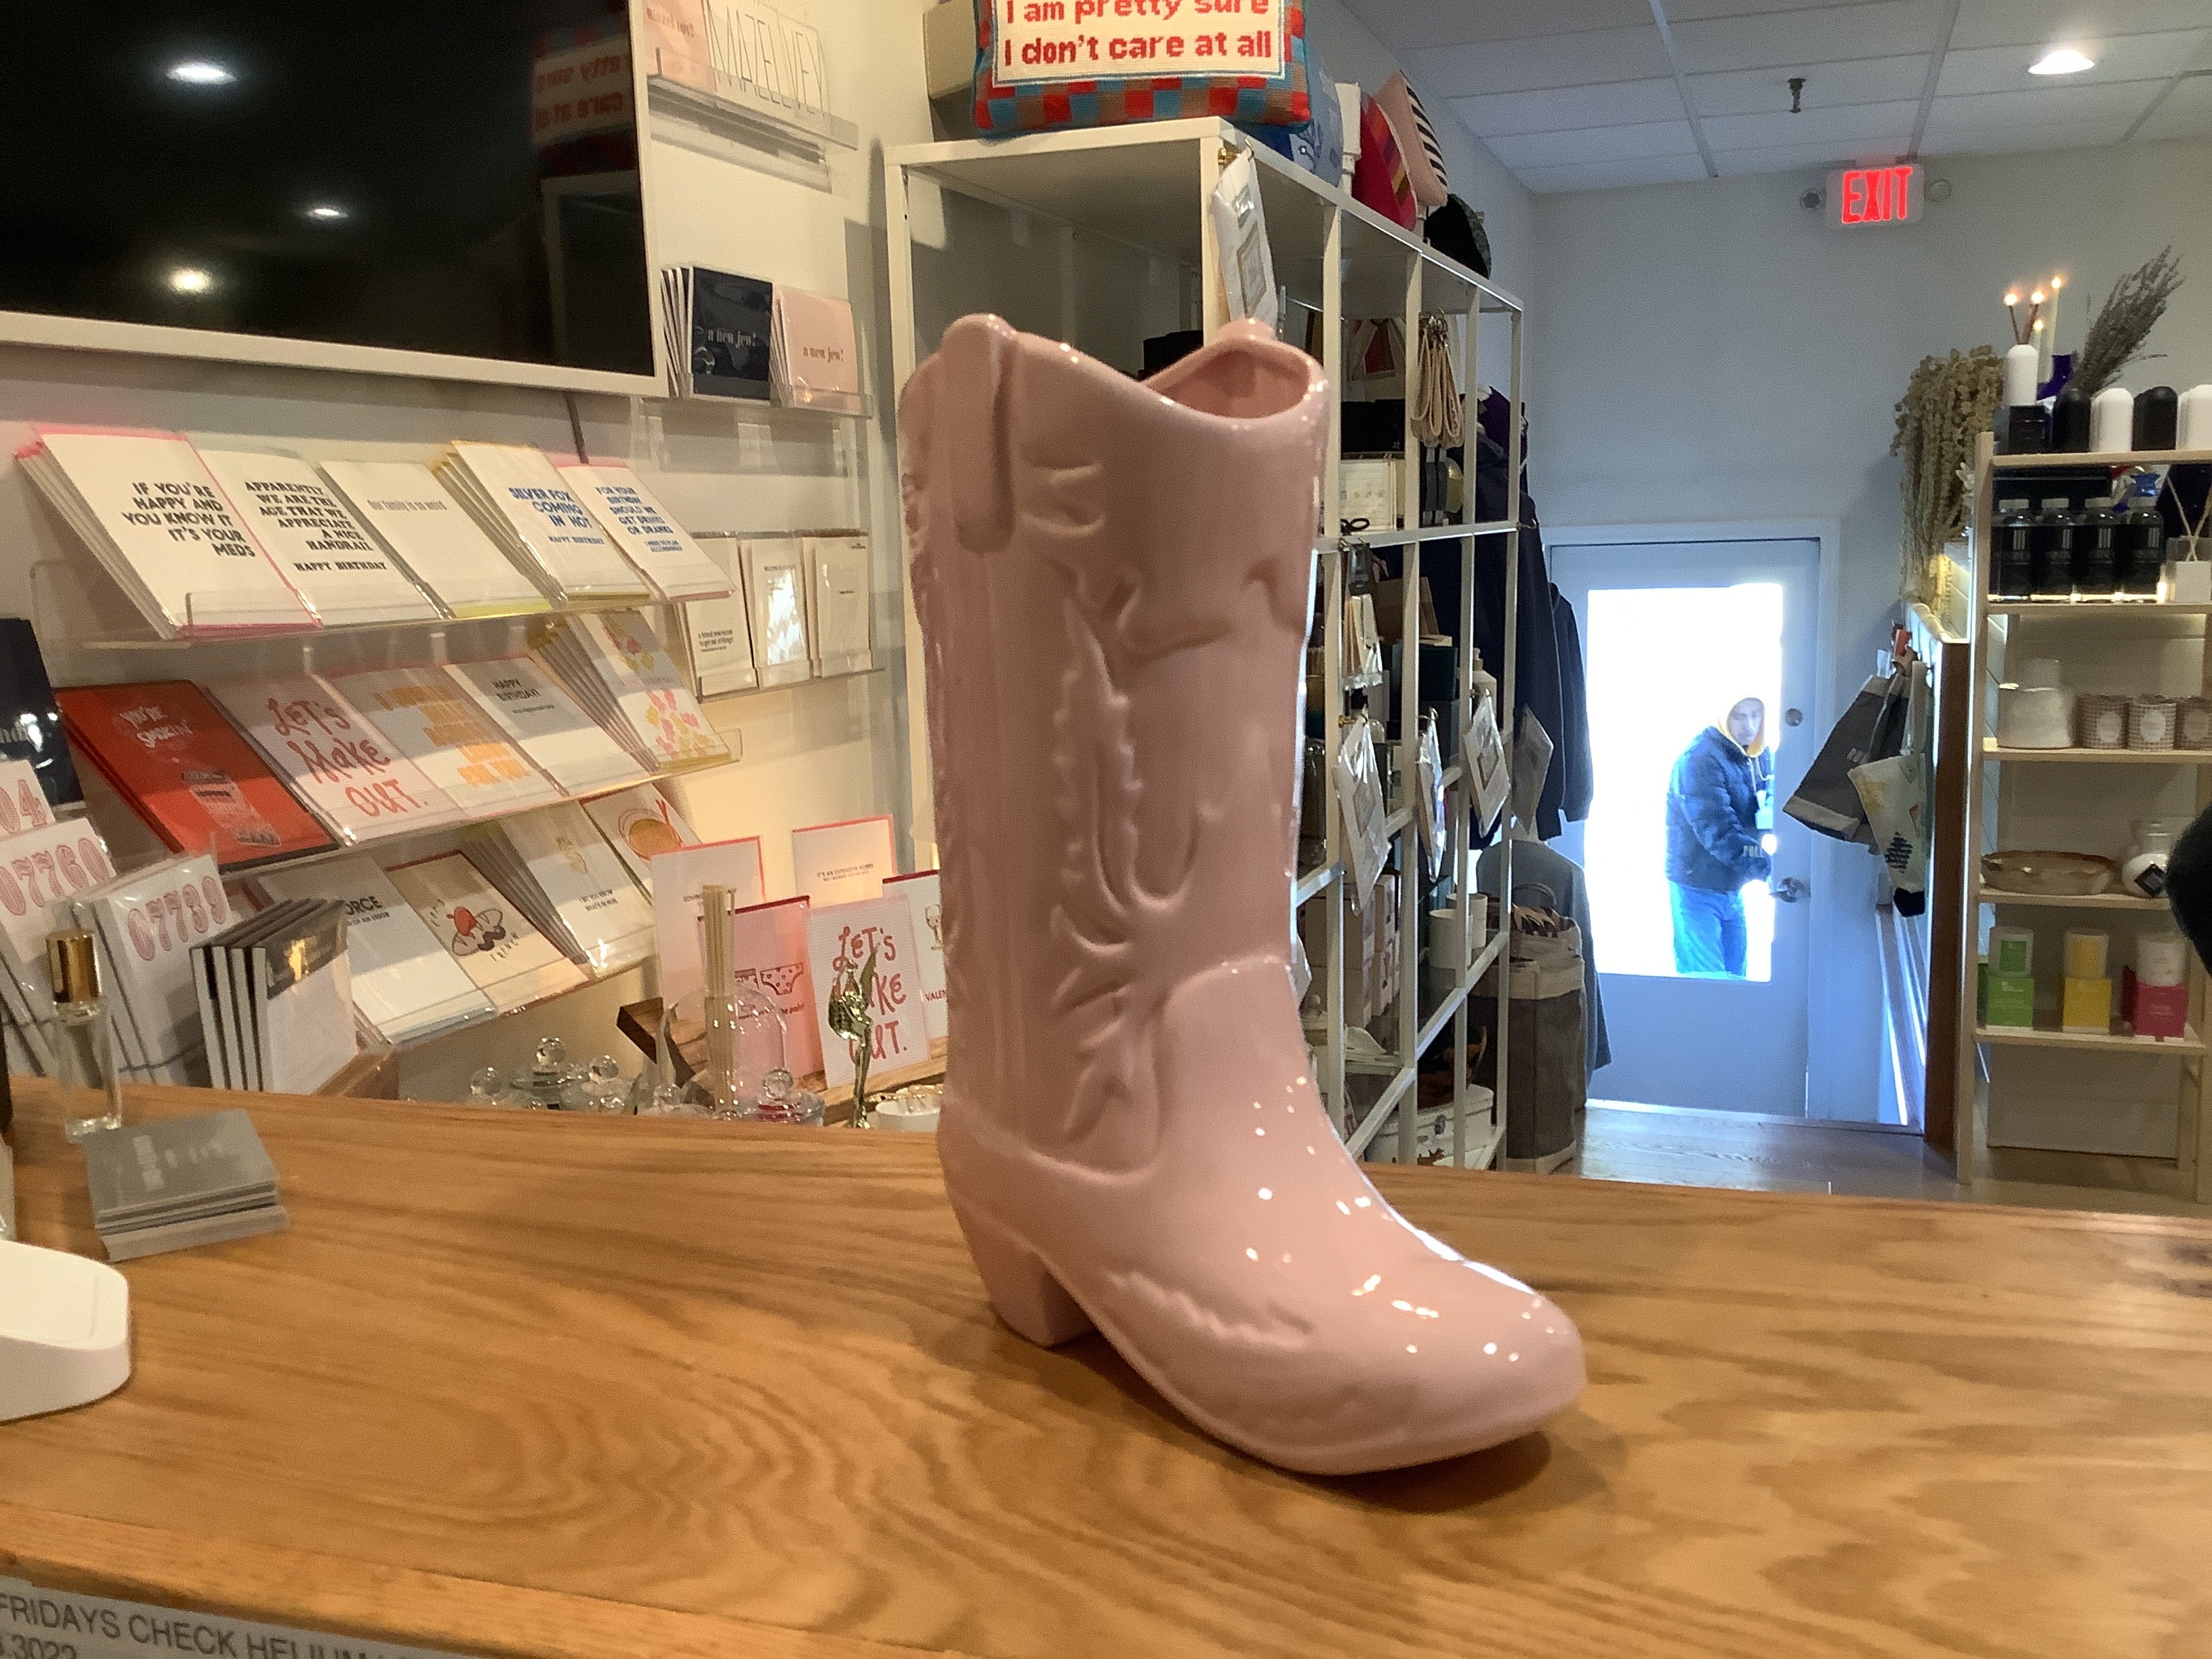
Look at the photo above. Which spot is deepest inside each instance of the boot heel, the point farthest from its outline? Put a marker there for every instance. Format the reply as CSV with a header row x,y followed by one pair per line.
x,y
1021,1287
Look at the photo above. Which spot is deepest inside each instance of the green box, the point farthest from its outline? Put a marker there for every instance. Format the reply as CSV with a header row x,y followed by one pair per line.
x,y
2010,1000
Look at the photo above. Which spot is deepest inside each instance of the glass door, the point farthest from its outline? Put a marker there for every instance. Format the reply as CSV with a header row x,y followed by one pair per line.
x,y
1700,663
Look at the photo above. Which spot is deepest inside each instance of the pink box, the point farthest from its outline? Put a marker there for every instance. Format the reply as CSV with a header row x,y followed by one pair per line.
x,y
2154,1011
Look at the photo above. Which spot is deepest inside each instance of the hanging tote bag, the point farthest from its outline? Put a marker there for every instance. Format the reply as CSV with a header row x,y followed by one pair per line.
x,y
1872,729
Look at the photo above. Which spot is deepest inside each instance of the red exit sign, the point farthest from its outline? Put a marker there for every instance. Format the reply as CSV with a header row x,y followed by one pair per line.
x,y
1875,196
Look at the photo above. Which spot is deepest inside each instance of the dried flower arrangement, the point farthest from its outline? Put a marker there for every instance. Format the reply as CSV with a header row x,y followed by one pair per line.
x,y
2131,311
1948,405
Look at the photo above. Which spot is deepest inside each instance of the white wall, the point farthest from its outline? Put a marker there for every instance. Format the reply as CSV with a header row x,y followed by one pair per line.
x,y
810,754
1352,53
1712,351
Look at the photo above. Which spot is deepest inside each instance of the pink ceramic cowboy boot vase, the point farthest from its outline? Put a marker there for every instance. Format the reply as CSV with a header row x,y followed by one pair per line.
x,y
1113,583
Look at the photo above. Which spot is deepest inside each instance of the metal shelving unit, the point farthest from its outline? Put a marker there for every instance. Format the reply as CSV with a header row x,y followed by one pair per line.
x,y
1133,199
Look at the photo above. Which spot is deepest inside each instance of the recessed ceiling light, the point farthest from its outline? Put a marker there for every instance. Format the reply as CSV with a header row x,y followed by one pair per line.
x,y
190,279
2061,60
200,72
327,211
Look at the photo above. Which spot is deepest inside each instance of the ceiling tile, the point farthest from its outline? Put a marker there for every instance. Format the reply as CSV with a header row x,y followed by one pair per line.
x,y
2127,98
2119,58
1792,158
1805,36
1408,24
2018,140
2057,22
1552,60
1549,150
2186,112
1614,104
1851,128
1849,80
1606,175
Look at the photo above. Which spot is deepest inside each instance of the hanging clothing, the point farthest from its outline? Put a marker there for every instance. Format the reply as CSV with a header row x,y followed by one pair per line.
x,y
1577,776
1545,877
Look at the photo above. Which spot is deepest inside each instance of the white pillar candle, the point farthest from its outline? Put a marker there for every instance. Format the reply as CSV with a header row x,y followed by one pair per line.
x,y
2193,430
2020,369
2112,421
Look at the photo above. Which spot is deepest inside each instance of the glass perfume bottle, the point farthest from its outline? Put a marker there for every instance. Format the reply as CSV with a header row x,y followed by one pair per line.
x,y
85,1074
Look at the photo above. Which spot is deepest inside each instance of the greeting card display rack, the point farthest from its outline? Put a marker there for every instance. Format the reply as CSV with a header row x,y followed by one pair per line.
x,y
1098,237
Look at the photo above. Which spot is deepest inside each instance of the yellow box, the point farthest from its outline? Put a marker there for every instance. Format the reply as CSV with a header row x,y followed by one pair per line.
x,y
2087,1006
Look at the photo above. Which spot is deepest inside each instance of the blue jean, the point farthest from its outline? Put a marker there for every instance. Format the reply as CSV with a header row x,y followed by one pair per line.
x,y
1709,932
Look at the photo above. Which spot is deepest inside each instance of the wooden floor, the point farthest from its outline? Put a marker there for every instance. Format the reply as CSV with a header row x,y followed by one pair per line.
x,y
1674,1146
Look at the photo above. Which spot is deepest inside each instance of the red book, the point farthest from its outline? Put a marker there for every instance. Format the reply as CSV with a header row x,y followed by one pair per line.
x,y
184,767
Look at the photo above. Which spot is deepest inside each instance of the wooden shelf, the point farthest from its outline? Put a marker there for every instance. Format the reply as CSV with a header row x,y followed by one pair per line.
x,y
2102,610
2117,1041
2108,458
1989,895
1990,751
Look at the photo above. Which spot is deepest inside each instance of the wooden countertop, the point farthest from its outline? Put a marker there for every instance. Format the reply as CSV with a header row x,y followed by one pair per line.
x,y
566,1386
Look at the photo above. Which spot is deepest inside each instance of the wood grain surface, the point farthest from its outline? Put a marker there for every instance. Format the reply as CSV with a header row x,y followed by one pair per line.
x,y
518,1383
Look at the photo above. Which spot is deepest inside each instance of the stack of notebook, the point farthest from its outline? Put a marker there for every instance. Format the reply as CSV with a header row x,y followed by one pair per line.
x,y
518,499
276,997
718,327
616,666
160,525
561,873
813,359
182,1181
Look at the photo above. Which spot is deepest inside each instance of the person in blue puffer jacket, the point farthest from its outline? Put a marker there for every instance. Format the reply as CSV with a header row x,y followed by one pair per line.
x,y
1715,848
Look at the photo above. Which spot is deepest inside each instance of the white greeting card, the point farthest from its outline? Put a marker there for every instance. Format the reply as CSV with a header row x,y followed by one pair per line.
x,y
327,552
441,545
427,717
642,529
523,504
717,632
148,922
767,950
331,757
837,600
23,804
926,901
406,983
838,863
511,961
676,878
641,824
546,724
157,520
840,939
585,899
41,871
775,601
614,663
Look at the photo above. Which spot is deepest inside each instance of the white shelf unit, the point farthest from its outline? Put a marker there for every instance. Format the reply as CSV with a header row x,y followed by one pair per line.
x,y
2135,1109
1083,220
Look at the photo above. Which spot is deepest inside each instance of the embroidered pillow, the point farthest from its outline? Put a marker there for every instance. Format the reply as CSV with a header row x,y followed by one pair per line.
x,y
1278,100
1417,140
1379,179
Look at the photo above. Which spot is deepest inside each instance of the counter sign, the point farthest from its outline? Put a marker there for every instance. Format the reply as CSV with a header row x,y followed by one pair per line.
x,y
1875,196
